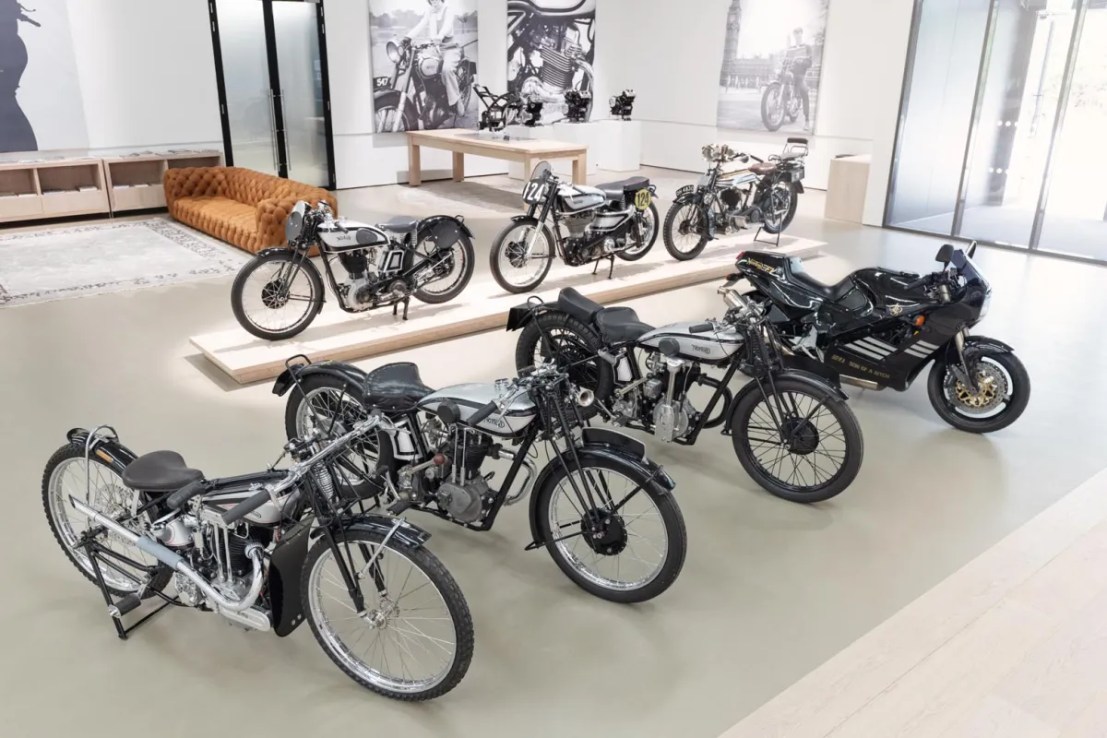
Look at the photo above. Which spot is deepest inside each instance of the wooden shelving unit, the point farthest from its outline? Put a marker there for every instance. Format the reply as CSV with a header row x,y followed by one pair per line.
x,y
135,182
52,189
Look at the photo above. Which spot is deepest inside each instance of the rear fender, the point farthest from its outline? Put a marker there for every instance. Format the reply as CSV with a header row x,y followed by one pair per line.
x,y
798,186
445,228
346,372
108,450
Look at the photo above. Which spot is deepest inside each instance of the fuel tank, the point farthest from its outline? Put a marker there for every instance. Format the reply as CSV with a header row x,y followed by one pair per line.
x,y
350,234
471,397
575,198
713,347
887,290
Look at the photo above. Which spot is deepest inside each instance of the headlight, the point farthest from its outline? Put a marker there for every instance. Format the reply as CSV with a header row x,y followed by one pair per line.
x,y
294,226
393,52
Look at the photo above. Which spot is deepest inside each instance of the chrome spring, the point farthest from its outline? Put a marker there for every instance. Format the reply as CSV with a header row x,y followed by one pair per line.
x,y
324,481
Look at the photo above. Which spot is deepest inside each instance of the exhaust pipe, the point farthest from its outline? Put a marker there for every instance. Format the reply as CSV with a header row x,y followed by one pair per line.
x,y
862,383
528,467
177,563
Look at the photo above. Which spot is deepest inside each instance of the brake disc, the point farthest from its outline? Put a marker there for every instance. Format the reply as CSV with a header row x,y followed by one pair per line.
x,y
993,389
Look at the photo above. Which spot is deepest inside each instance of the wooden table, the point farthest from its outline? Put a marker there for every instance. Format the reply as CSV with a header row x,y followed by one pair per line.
x,y
462,141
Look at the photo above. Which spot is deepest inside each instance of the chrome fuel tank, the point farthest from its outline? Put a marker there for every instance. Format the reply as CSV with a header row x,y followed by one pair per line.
x,y
713,346
575,198
472,397
350,234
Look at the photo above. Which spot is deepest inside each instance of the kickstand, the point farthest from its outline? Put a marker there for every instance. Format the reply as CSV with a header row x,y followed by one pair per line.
x,y
396,307
596,268
758,237
611,269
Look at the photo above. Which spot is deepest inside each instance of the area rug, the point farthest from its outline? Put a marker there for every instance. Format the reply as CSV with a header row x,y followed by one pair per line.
x,y
59,263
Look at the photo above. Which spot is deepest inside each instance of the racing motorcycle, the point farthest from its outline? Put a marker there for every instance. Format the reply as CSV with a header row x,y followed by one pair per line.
x,y
880,328
603,510
414,97
546,53
779,100
792,431
278,293
265,551
613,219
764,192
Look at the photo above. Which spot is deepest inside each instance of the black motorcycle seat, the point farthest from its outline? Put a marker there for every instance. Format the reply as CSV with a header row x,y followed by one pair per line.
x,y
396,386
620,324
160,471
616,190
400,224
573,303
832,292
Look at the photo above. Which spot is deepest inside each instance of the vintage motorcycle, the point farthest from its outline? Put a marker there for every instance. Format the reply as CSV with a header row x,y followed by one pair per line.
x,y
278,293
604,512
879,328
414,97
381,606
792,431
545,52
779,100
764,192
613,219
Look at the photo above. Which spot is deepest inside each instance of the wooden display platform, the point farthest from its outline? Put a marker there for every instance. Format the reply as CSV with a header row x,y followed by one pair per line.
x,y
462,141
482,306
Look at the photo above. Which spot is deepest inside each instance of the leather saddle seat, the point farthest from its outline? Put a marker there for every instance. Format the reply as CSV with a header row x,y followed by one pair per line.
x,y
763,168
615,324
617,190
395,387
400,224
160,471
833,292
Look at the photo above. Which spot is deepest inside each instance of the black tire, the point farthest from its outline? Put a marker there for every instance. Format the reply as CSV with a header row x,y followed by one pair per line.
x,y
640,251
438,577
572,341
852,441
771,123
239,286
436,298
71,453
668,230
946,409
500,244
775,228
671,519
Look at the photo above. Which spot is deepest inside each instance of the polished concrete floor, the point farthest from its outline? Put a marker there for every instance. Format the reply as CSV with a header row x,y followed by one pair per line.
x,y
769,591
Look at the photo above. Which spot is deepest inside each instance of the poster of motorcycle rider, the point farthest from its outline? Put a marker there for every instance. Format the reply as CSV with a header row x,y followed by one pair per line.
x,y
551,48
424,60
772,61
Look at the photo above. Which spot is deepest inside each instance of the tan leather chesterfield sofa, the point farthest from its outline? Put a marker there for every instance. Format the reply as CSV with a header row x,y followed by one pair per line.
x,y
239,206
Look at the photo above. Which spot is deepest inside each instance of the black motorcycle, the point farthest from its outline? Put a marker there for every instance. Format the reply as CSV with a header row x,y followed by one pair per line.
x,y
265,551
414,96
604,512
617,219
764,192
792,431
278,293
879,328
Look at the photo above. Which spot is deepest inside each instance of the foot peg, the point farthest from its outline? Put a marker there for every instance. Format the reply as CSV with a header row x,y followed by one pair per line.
x,y
124,605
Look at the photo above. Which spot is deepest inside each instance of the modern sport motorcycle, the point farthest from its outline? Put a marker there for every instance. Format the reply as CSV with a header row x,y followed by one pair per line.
x,y
614,219
603,510
879,328
278,293
792,431
779,101
266,551
414,97
764,192
545,52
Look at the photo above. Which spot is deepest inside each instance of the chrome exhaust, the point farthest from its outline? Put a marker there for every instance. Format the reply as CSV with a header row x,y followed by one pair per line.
x,y
531,470
862,383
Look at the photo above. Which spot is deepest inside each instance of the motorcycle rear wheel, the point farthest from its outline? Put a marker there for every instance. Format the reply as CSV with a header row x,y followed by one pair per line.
x,y
462,251
571,341
650,220
772,225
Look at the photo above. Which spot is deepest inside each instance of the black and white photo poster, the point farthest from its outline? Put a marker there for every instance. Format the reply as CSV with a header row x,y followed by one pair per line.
x,y
551,48
40,93
772,60
424,61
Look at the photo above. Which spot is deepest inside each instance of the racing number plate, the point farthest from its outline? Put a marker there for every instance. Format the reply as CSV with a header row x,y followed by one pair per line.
x,y
642,199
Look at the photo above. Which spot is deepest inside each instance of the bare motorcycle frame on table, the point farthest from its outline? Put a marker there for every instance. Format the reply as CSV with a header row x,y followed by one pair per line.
x,y
617,219
414,96
500,111
602,509
279,292
242,547
764,192
792,430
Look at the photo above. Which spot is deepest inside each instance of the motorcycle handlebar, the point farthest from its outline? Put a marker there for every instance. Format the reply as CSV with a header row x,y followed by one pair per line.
x,y
245,507
920,282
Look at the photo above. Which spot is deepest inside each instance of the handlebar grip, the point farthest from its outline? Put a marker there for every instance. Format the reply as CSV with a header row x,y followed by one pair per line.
x,y
483,413
700,328
178,499
918,282
245,507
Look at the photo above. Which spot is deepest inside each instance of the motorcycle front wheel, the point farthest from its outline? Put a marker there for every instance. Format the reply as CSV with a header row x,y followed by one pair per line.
x,y
1004,391
642,234
802,445
685,230
772,106
626,548
413,640
277,295
512,267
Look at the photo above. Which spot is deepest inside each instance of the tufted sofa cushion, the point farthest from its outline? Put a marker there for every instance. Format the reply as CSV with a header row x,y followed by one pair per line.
x,y
239,206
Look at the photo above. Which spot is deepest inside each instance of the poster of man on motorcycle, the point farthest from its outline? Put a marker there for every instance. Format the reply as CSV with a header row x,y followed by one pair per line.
x,y
772,60
424,60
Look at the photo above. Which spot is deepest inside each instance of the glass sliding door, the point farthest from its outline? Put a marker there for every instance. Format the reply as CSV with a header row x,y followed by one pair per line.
x,y
249,98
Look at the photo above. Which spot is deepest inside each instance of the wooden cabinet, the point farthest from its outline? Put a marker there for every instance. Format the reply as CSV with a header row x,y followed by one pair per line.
x,y
135,182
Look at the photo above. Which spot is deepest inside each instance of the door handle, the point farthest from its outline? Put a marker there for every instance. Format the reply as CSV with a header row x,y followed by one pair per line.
x,y
284,119
273,130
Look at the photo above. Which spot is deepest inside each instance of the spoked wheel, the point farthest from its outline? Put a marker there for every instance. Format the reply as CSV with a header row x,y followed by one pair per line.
x,y
414,638
385,120
642,235
449,273
809,453
623,546
772,106
1003,391
277,295
572,344
517,265
325,400
781,209
107,494
685,230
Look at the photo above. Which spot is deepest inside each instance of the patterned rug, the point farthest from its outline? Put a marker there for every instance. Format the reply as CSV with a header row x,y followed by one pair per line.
x,y
58,263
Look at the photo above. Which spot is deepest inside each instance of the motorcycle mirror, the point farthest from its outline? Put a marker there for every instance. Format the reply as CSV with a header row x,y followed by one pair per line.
x,y
972,249
945,254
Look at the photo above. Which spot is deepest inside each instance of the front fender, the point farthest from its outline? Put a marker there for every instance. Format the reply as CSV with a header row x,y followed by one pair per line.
x,y
798,187
408,534
271,250
809,379
975,345
346,372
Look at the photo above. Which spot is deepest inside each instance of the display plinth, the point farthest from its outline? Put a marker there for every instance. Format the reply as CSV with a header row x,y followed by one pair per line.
x,y
613,145
483,306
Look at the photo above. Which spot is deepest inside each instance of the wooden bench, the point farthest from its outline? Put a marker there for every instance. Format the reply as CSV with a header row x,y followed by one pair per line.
x,y
463,141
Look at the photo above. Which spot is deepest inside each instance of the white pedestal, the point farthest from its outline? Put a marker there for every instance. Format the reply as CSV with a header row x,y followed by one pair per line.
x,y
621,150
846,187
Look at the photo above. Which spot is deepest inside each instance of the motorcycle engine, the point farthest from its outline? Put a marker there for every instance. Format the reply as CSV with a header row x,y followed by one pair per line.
x,y
671,419
362,287
457,486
